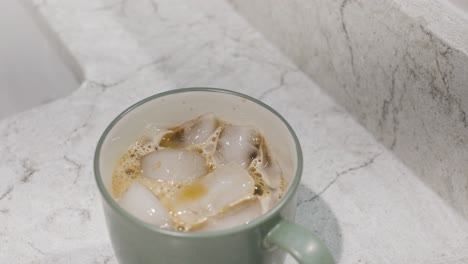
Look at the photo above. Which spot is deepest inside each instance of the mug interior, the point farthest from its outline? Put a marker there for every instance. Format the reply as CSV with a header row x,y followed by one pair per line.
x,y
177,106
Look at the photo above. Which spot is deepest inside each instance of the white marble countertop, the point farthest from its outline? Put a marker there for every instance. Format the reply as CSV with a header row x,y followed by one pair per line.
x,y
366,206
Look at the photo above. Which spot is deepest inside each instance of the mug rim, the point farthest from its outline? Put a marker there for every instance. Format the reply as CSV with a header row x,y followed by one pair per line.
x,y
204,234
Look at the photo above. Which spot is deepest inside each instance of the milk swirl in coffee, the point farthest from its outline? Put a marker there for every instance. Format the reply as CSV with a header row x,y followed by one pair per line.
x,y
205,174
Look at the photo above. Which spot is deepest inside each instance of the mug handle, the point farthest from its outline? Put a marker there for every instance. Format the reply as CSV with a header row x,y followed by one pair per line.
x,y
304,246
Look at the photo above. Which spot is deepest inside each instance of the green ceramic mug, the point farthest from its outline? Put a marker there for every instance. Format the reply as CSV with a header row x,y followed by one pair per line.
x,y
264,240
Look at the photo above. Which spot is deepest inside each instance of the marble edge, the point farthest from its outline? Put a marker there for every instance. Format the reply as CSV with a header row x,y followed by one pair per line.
x,y
451,29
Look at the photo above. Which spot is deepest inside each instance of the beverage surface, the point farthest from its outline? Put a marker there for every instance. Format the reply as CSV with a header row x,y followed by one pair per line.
x,y
205,174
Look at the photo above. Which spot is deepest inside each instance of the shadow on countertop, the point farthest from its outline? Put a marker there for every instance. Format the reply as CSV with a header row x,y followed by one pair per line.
x,y
316,215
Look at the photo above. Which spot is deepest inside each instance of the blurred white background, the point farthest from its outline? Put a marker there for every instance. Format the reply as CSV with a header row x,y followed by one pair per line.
x,y
462,4
31,70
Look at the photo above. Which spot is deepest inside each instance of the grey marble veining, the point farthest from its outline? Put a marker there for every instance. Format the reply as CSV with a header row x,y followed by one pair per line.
x,y
362,201
399,67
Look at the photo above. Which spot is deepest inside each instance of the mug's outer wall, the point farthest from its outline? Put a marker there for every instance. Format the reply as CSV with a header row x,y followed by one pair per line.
x,y
134,243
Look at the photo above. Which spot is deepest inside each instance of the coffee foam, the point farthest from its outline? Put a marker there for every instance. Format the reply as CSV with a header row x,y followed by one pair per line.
x,y
128,168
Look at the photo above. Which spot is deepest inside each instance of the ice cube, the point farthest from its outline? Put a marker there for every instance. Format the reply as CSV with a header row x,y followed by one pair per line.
x,y
268,201
271,175
173,165
226,186
237,143
155,133
192,132
141,203
235,216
